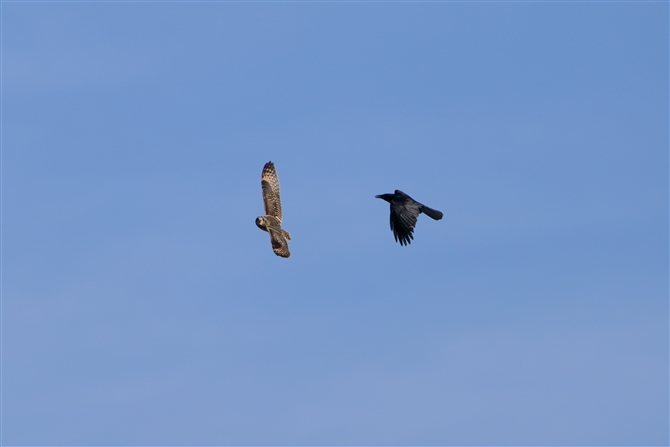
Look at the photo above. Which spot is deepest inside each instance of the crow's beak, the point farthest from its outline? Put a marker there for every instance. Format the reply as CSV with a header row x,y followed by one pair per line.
x,y
378,197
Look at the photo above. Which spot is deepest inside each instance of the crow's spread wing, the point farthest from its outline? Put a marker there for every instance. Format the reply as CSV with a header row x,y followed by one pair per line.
x,y
403,221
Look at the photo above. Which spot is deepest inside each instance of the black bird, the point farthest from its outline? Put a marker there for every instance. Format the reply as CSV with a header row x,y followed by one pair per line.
x,y
404,211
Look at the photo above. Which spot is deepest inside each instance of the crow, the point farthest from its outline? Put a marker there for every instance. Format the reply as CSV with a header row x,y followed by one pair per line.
x,y
404,211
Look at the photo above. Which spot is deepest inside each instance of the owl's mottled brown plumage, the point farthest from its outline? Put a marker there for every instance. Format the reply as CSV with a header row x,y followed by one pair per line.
x,y
271,222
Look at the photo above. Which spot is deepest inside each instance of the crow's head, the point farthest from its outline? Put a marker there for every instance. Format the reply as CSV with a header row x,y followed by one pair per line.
x,y
387,197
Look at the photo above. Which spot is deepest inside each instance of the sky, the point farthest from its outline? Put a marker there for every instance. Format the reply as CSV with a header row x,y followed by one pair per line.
x,y
141,305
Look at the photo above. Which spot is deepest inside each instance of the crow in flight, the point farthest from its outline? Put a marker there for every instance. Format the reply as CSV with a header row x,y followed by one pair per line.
x,y
404,211
271,221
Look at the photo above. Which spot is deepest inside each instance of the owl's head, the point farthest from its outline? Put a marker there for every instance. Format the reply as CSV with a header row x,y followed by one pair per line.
x,y
260,223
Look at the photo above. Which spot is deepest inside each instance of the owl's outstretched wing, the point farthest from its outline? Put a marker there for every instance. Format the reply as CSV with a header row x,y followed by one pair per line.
x,y
270,185
279,244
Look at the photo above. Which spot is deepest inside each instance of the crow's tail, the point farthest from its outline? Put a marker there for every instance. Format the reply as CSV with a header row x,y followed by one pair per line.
x,y
434,214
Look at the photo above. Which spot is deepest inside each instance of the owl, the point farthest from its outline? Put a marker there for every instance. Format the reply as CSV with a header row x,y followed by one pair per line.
x,y
271,221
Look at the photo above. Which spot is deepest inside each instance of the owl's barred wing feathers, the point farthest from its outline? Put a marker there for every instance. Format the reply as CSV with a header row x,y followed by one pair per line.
x,y
271,221
279,244
270,184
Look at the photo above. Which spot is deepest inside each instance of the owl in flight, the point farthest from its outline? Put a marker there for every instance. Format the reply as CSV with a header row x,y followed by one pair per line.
x,y
271,222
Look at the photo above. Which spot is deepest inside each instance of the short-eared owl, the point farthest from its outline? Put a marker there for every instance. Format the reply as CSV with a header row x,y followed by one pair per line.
x,y
271,222
404,211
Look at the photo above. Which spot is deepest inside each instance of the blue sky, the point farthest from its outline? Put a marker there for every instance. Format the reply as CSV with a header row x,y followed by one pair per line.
x,y
142,306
